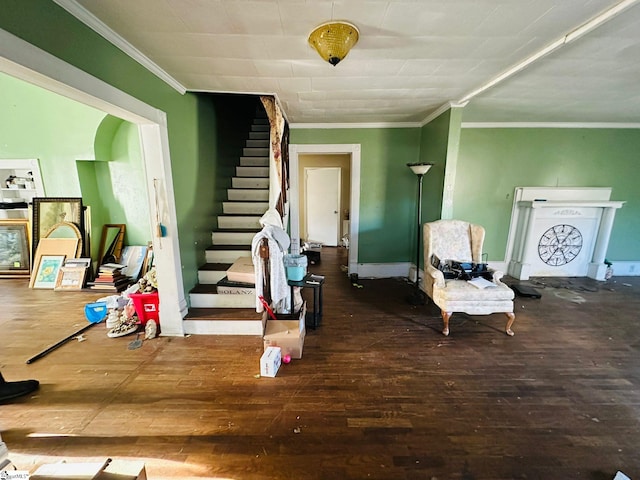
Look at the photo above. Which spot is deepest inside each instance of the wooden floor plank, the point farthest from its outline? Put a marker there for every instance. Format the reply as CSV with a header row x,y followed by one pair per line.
x,y
380,393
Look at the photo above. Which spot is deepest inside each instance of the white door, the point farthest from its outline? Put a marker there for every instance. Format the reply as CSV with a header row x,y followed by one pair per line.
x,y
322,199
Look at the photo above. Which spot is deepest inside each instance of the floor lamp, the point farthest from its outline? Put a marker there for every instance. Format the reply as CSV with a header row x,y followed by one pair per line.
x,y
418,297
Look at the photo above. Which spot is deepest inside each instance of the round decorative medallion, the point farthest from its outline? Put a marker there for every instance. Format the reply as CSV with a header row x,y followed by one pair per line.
x,y
559,245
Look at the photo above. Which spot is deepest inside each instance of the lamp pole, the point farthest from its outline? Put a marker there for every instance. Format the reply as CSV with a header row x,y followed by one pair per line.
x,y
418,297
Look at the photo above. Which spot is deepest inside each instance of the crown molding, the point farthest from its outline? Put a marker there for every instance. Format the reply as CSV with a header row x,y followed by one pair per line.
x,y
90,20
601,125
355,125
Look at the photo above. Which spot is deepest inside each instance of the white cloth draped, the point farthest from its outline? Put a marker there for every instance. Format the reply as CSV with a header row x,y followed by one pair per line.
x,y
278,242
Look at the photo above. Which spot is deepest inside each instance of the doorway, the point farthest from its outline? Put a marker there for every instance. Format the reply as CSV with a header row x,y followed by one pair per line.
x,y
26,62
352,213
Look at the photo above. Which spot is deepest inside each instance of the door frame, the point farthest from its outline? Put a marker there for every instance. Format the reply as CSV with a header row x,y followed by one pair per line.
x,y
31,64
353,150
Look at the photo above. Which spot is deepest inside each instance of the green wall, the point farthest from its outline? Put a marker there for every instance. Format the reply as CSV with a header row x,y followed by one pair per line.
x,y
122,186
434,148
388,189
35,123
488,165
63,135
492,162
47,26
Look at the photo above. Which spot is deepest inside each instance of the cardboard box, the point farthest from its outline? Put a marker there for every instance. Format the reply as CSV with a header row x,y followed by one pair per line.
x,y
286,334
270,362
242,271
123,470
103,470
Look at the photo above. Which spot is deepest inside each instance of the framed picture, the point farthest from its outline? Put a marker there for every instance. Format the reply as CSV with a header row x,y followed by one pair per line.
x,y
47,271
65,247
78,262
133,257
71,278
15,254
50,211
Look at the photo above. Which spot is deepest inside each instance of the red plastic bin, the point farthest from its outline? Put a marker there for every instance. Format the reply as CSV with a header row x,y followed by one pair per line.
x,y
147,306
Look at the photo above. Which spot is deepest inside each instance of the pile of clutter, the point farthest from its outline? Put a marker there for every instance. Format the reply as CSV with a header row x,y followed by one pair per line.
x,y
122,318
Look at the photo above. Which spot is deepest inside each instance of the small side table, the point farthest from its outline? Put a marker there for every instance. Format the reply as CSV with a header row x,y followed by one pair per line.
x,y
314,282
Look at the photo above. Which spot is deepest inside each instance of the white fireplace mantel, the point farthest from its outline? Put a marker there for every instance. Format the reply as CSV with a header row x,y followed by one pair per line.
x,y
555,235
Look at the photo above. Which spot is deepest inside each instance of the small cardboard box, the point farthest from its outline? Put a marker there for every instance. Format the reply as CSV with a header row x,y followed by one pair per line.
x,y
242,271
286,334
123,470
270,362
102,470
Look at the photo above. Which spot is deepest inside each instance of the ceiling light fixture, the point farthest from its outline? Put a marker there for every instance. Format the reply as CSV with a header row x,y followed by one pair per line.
x,y
333,40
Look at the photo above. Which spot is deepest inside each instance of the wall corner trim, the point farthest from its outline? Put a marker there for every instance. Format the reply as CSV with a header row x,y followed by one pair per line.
x,y
440,110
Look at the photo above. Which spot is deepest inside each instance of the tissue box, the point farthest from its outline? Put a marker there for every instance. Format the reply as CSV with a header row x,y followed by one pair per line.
x,y
270,362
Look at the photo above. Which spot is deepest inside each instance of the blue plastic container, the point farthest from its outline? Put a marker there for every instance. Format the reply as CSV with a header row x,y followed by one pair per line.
x,y
95,312
295,266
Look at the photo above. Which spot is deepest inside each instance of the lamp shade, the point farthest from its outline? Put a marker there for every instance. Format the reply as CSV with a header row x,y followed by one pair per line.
x,y
419,168
333,40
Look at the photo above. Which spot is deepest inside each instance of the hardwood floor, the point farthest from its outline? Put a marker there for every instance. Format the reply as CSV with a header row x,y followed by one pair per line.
x,y
380,393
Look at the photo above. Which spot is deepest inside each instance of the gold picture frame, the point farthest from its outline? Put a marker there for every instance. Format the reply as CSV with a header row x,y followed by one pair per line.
x,y
71,278
15,252
49,211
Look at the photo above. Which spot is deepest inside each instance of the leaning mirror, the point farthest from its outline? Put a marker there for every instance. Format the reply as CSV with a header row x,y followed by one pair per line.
x,y
111,243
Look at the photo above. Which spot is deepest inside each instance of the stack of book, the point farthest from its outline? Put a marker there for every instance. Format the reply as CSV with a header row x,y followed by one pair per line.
x,y
110,278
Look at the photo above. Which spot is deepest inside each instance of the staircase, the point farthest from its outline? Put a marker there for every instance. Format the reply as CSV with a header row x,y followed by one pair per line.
x,y
214,309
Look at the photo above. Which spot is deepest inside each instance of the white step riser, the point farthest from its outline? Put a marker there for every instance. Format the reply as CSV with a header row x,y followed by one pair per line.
x,y
226,256
254,162
259,135
254,172
223,327
212,300
255,152
252,195
232,238
258,208
210,277
262,143
239,222
239,182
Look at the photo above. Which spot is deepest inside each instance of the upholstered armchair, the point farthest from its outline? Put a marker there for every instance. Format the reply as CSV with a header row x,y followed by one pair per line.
x,y
462,242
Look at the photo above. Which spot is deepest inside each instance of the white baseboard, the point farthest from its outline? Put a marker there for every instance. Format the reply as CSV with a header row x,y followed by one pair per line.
x,y
408,269
626,269
384,270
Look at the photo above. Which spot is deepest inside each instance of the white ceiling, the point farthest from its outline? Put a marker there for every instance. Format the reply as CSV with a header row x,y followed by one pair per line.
x,y
414,57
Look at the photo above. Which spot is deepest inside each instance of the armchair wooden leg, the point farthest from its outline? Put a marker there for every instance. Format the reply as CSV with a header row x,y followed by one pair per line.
x,y
511,318
445,319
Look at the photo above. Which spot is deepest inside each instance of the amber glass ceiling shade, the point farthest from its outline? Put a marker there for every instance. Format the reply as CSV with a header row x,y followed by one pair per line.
x,y
333,40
